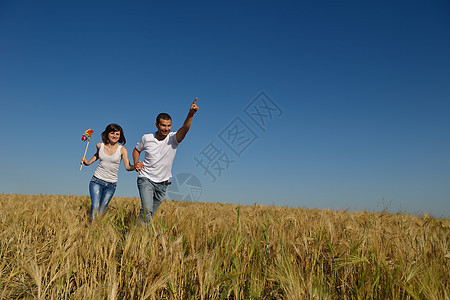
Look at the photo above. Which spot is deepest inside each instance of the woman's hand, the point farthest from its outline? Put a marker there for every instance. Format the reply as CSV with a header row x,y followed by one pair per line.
x,y
85,162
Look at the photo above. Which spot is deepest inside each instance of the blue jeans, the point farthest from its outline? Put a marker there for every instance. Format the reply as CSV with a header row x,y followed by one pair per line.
x,y
101,193
152,195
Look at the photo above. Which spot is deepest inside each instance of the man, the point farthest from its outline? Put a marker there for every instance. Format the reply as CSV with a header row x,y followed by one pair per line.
x,y
160,149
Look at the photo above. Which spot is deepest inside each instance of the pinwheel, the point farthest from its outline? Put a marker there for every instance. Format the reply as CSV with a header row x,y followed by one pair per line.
x,y
86,137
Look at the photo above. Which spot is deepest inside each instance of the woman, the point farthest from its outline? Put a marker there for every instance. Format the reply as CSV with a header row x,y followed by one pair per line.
x,y
103,183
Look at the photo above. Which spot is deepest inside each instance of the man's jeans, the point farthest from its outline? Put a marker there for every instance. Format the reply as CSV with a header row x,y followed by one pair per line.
x,y
101,193
152,195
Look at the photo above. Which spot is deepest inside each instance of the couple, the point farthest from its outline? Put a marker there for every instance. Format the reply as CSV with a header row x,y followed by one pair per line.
x,y
159,148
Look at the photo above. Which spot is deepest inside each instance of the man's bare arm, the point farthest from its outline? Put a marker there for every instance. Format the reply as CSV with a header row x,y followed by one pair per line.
x,y
181,133
138,165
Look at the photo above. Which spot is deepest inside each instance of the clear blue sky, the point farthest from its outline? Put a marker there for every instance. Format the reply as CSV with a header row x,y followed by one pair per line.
x,y
363,91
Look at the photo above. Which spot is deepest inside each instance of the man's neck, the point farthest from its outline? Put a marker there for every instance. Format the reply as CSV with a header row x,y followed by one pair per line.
x,y
159,136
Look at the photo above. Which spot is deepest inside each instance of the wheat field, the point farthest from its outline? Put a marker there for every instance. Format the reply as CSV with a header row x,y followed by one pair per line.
x,y
49,250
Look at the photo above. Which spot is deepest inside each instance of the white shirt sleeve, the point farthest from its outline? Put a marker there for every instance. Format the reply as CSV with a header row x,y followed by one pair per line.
x,y
174,138
140,145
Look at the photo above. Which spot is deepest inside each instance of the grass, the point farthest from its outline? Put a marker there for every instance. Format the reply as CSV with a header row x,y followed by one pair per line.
x,y
49,250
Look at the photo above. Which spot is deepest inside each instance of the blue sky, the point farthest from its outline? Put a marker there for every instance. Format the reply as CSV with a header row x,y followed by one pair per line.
x,y
363,91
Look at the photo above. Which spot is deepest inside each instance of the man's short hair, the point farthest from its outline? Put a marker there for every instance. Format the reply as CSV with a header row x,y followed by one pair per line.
x,y
163,116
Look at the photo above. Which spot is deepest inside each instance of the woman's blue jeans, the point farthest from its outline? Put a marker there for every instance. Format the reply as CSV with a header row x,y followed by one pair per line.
x,y
152,195
101,193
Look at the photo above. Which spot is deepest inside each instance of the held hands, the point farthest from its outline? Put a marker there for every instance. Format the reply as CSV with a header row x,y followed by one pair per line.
x,y
138,166
194,107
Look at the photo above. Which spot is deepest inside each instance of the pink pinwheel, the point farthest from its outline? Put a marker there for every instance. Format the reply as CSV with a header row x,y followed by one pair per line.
x,y
86,137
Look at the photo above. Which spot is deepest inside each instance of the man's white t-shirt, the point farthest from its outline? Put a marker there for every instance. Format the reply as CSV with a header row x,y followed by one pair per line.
x,y
159,156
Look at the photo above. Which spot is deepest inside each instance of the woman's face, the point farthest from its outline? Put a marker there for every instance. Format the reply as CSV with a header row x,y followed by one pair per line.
x,y
114,136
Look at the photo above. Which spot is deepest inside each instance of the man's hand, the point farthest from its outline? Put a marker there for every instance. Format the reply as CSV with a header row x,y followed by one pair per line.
x,y
194,107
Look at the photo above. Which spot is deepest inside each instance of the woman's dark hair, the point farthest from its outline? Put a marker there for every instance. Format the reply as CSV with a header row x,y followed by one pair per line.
x,y
163,116
113,128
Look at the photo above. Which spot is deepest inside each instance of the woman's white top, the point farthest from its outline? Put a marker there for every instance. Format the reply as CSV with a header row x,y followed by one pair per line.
x,y
108,166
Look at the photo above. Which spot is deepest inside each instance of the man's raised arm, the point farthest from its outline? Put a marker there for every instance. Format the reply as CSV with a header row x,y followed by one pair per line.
x,y
181,133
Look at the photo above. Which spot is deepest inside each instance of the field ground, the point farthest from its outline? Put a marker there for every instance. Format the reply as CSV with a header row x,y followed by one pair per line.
x,y
49,250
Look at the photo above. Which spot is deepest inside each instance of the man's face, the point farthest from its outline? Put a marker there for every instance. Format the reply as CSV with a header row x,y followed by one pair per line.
x,y
164,126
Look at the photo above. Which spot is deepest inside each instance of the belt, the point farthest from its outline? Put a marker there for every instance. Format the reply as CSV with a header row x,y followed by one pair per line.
x,y
167,182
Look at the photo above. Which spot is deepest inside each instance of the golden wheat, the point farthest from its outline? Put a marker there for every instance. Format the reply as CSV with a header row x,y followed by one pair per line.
x,y
49,250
